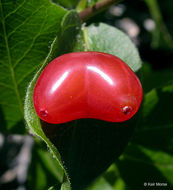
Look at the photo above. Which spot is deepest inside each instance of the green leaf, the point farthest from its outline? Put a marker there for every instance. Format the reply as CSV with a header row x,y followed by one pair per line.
x,y
67,36
155,78
108,39
69,26
93,38
64,186
109,180
141,165
26,30
100,184
157,102
88,146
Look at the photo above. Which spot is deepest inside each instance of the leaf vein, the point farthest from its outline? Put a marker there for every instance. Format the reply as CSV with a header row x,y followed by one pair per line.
x,y
5,85
25,21
9,105
29,48
15,10
4,64
27,74
10,61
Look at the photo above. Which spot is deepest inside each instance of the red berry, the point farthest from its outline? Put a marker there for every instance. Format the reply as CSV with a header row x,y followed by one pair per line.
x,y
87,85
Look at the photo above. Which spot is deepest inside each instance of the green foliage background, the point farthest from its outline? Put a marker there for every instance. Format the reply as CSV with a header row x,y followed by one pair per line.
x,y
32,33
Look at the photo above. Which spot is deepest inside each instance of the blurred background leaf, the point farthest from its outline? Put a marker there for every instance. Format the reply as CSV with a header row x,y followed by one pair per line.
x,y
156,78
161,35
148,158
43,171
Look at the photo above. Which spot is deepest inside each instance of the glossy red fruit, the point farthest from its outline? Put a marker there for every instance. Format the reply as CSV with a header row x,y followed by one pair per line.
x,y
87,85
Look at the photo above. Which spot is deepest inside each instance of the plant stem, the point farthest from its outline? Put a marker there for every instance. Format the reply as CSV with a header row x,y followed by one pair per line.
x,y
87,48
161,30
81,5
96,8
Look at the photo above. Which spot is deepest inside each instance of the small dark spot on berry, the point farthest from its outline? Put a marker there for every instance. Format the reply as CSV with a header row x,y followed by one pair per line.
x,y
43,113
127,110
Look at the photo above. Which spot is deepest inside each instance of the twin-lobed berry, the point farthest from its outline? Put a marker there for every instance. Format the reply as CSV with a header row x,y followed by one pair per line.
x,y
87,85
